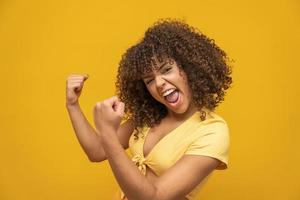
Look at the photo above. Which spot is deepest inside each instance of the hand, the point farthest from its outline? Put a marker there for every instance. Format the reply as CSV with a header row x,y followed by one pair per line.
x,y
108,114
74,87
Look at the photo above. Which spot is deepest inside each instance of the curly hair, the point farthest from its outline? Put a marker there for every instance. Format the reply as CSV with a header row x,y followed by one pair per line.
x,y
205,64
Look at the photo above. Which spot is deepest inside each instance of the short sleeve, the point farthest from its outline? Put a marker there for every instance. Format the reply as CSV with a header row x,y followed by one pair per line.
x,y
212,141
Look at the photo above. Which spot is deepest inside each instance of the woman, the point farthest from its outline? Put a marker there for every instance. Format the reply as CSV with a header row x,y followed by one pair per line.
x,y
168,86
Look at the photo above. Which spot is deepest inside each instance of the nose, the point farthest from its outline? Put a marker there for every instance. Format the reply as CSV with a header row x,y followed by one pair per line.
x,y
160,82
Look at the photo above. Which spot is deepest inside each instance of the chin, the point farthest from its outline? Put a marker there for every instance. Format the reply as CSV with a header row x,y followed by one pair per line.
x,y
179,111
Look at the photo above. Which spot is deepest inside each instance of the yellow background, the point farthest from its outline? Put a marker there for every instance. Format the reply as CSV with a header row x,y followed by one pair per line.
x,y
41,42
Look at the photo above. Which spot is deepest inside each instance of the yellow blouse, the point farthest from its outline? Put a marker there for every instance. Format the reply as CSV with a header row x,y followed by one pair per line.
x,y
193,137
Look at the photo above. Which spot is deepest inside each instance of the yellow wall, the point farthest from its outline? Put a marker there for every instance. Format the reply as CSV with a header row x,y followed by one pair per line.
x,y
41,42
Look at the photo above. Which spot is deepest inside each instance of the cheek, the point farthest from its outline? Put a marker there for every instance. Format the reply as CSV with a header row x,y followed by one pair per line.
x,y
152,92
155,95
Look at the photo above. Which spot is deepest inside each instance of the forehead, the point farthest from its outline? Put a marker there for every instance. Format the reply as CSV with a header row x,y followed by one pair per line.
x,y
156,64
158,61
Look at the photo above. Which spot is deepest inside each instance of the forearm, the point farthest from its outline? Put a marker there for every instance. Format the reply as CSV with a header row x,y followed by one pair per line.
x,y
85,133
133,183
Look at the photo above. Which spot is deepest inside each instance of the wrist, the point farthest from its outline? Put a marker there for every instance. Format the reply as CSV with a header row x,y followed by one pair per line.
x,y
109,141
72,106
108,130
108,134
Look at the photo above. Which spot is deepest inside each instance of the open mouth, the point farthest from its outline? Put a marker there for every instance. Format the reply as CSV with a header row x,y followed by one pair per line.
x,y
172,96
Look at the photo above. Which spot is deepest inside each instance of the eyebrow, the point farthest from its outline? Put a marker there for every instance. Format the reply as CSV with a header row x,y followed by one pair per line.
x,y
158,70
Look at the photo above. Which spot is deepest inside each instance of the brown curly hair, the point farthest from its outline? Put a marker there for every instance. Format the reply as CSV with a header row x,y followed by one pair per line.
x,y
205,64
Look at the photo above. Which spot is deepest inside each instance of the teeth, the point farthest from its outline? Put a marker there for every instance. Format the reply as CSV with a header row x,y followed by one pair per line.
x,y
169,91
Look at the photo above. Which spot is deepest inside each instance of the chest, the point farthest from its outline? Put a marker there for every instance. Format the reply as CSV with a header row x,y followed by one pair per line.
x,y
157,134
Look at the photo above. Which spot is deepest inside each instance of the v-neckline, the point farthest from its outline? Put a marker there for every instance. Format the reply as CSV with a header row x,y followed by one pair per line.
x,y
164,137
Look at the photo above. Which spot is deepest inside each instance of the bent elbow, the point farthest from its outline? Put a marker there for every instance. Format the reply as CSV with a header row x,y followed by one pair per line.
x,y
96,159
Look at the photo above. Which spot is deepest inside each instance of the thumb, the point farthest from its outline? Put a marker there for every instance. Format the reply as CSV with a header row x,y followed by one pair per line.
x,y
119,108
85,77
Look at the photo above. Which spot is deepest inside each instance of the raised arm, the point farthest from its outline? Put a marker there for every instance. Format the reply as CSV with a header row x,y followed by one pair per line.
x,y
87,136
173,184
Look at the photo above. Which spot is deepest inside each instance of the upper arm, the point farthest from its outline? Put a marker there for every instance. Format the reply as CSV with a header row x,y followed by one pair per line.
x,y
208,152
184,176
125,132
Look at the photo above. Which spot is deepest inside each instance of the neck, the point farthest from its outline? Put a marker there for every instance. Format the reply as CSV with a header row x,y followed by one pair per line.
x,y
181,116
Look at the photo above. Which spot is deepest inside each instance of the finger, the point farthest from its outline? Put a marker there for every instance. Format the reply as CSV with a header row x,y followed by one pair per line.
x,y
76,82
76,79
79,78
116,102
97,107
111,101
75,85
82,77
77,75
121,108
85,77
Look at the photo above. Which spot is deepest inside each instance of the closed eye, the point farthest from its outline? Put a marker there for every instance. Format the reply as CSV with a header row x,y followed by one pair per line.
x,y
148,81
167,69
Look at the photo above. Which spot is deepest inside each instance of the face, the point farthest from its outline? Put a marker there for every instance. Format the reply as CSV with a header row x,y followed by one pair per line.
x,y
168,85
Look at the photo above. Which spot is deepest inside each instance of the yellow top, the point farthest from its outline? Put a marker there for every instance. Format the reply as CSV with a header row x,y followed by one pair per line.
x,y
193,137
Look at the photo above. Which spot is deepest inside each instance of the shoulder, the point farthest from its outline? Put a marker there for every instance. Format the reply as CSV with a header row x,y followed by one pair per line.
x,y
213,122
211,138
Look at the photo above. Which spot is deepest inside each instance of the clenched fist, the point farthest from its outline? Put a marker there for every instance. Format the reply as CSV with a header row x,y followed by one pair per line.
x,y
108,114
74,87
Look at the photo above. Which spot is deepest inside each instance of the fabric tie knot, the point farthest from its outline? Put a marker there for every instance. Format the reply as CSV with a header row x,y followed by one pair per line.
x,y
139,161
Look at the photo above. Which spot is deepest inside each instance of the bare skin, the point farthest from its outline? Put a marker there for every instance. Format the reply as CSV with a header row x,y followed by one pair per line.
x,y
109,140
187,173
88,137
